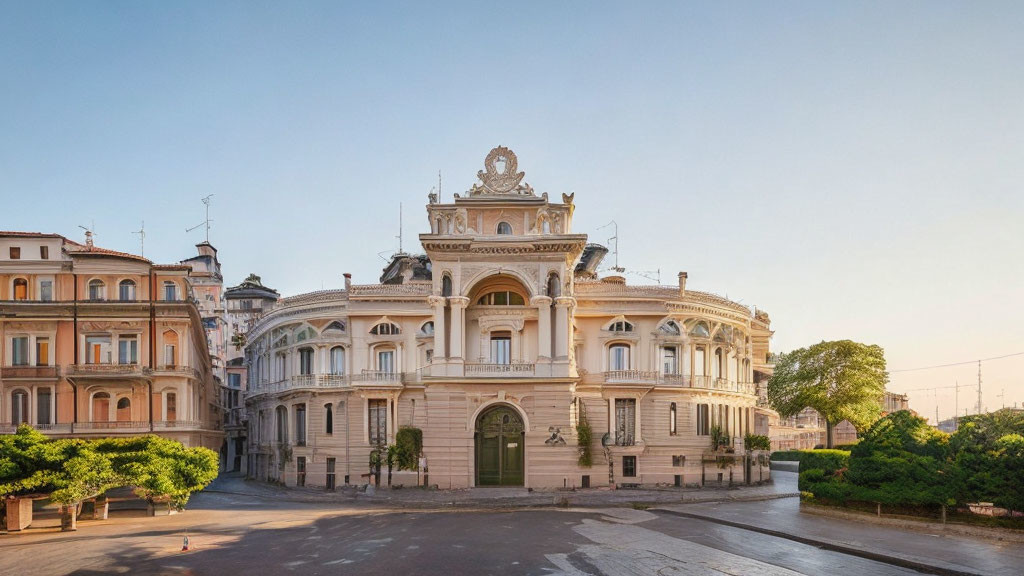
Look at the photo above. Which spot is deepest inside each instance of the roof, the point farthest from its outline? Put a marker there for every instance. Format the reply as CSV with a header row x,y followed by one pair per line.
x,y
73,247
29,234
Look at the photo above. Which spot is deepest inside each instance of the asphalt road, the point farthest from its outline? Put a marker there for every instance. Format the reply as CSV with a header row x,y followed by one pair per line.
x,y
232,535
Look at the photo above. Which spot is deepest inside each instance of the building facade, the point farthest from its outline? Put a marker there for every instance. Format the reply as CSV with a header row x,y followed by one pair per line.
x,y
499,343
101,343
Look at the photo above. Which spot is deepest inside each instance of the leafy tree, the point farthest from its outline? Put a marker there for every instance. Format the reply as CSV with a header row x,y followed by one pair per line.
x,y
408,447
989,452
842,380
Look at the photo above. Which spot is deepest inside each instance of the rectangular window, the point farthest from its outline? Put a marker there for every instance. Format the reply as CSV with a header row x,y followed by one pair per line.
x,y
629,466
19,407
43,396
378,419
698,362
386,361
672,413
46,290
703,426
42,351
128,350
618,358
300,467
306,361
170,292
678,461
300,425
669,363
21,289
19,349
625,421
501,348
15,253
169,354
172,406
235,380
44,252
330,473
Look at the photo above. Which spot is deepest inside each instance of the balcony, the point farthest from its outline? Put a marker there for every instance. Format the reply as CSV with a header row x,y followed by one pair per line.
x,y
6,428
499,370
302,381
29,372
177,425
653,378
133,425
378,378
631,377
108,371
176,370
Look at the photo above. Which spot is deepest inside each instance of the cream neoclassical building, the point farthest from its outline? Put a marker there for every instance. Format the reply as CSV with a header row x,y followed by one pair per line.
x,y
496,343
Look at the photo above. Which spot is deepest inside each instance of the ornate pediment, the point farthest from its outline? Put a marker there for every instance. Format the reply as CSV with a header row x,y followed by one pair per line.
x,y
500,176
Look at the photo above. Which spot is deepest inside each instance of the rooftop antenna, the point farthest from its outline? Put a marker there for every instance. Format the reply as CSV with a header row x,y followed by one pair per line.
x,y
142,239
89,232
400,251
439,184
615,249
206,222
979,386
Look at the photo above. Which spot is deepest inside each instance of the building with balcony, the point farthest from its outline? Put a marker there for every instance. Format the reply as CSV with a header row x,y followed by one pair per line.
x,y
101,343
499,342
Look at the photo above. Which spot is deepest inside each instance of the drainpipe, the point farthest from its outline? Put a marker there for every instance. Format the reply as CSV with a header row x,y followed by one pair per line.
x,y
152,345
74,386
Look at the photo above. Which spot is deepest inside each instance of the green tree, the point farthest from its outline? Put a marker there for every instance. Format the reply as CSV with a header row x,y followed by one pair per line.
x,y
989,452
842,380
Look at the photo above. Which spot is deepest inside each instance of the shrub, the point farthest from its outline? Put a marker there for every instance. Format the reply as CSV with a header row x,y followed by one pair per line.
x,y
719,439
408,448
584,437
827,460
757,442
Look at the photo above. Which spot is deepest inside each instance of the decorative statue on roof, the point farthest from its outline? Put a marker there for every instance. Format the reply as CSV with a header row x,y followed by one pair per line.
x,y
499,175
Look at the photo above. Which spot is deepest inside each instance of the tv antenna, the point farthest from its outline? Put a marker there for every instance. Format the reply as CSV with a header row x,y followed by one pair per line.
x,y
614,242
89,232
142,239
400,251
206,222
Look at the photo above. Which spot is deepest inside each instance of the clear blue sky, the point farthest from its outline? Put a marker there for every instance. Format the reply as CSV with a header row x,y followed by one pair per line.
x,y
855,169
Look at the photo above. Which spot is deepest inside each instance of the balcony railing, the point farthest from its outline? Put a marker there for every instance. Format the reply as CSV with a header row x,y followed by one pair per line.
x,y
654,378
303,381
177,424
7,428
30,372
499,370
109,370
379,376
177,370
113,425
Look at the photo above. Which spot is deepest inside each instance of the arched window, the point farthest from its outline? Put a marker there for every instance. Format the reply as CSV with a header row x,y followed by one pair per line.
x,y
501,298
329,419
336,325
305,361
621,326
385,329
672,419
427,329
100,407
96,289
19,407
700,330
618,357
446,286
554,286
124,410
670,328
170,291
337,360
504,228
20,289
126,290
719,363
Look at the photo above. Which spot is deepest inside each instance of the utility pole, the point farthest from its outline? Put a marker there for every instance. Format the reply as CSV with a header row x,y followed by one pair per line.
x,y
979,386
956,409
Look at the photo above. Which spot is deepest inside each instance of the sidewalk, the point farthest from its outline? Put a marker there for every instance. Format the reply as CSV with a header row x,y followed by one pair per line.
x,y
492,498
941,553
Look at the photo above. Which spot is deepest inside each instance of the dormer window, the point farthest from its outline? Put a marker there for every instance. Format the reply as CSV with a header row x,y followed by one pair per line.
x,y
385,329
501,298
621,326
504,228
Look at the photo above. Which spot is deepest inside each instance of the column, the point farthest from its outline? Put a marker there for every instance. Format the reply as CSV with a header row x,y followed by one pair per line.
x,y
543,305
458,304
437,303
562,305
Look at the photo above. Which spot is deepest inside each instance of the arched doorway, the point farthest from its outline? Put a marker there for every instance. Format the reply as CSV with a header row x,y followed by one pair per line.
x,y
500,447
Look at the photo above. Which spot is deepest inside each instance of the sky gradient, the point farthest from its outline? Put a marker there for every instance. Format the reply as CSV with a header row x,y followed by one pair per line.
x,y
854,169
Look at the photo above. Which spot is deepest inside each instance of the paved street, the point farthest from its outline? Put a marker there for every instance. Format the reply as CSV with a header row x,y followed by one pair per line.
x,y
238,533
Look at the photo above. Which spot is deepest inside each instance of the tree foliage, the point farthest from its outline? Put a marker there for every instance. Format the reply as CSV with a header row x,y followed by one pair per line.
x,y
989,459
408,448
842,380
72,470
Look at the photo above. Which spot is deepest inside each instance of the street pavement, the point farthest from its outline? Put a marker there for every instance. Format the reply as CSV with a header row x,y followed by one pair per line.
x,y
233,534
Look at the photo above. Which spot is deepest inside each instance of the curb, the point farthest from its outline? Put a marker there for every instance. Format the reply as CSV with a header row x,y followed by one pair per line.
x,y
831,546
555,502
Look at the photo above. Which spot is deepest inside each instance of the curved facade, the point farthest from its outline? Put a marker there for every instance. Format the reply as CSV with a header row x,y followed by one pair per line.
x,y
497,344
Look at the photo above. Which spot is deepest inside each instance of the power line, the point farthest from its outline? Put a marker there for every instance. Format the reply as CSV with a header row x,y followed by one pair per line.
x,y
956,363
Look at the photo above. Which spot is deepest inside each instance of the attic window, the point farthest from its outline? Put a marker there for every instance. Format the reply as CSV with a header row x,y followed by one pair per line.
x,y
385,329
621,326
16,252
504,228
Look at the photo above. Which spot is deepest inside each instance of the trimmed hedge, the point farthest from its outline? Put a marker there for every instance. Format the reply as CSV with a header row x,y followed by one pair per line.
x,y
827,460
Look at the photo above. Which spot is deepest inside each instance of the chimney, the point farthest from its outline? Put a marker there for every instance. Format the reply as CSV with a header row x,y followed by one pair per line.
x,y
88,238
682,284
348,281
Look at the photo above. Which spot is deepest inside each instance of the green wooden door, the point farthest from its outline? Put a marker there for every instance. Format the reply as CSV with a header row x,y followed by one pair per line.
x,y
499,448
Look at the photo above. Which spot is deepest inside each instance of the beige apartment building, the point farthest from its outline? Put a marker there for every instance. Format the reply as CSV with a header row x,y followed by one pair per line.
x,y
498,342
101,343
